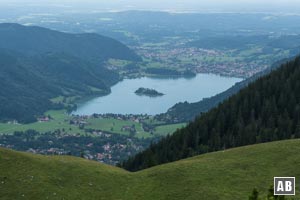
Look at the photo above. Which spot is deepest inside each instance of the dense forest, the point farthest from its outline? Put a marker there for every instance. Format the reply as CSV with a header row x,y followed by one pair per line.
x,y
266,110
29,83
38,64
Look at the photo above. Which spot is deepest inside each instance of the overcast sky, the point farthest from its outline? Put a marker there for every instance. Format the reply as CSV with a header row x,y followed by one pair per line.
x,y
174,5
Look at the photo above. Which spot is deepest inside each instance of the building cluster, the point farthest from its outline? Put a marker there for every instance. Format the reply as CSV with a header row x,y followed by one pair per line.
x,y
198,60
126,117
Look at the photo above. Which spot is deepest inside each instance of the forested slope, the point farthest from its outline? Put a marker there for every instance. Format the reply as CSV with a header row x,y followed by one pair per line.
x,y
38,64
28,83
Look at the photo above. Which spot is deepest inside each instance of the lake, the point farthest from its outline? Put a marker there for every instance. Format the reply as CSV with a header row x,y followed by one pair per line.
x,y
123,100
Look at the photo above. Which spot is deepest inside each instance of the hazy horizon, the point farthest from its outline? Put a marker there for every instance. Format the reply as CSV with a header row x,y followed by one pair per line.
x,y
280,6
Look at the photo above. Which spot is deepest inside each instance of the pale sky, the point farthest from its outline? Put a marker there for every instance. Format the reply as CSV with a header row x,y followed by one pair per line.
x,y
176,5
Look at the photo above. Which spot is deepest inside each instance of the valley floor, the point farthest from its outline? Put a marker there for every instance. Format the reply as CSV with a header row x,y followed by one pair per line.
x,y
106,138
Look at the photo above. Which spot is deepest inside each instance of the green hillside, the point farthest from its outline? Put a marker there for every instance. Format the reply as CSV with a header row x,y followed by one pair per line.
x,y
230,174
29,83
39,64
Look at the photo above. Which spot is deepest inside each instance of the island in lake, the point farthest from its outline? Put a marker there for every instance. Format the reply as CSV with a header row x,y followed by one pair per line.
x,y
148,92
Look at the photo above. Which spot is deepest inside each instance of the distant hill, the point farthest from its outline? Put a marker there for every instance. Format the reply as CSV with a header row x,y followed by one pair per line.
x,y
38,64
28,83
224,175
266,110
32,40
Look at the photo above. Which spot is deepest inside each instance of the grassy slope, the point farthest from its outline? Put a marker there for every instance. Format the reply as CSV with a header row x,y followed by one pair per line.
x,y
60,121
231,174
168,129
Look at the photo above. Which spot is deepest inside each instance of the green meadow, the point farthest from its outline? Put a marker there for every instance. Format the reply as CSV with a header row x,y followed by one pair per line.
x,y
224,175
60,120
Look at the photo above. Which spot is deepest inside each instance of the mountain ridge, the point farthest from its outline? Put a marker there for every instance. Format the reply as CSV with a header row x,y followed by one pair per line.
x,y
33,40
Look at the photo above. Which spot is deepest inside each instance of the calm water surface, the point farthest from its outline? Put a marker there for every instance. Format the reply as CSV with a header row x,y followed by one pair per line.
x,y
123,100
